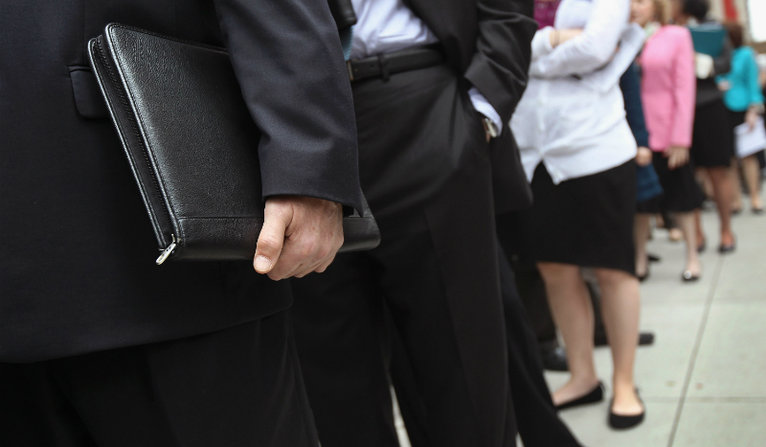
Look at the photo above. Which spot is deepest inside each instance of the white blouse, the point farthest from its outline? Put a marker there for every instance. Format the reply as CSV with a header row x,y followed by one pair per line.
x,y
572,115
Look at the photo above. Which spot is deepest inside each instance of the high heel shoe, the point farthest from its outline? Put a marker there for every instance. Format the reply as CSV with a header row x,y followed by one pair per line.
x,y
591,397
622,422
643,277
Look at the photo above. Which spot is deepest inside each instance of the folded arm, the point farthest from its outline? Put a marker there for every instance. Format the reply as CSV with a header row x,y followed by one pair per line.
x,y
587,52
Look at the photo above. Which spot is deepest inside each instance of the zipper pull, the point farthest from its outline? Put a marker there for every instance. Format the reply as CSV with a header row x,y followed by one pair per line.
x,y
167,251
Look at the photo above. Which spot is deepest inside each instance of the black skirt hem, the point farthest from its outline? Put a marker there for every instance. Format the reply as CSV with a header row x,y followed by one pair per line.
x,y
587,221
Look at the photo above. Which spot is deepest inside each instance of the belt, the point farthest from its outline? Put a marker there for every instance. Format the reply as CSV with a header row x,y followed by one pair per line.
x,y
384,65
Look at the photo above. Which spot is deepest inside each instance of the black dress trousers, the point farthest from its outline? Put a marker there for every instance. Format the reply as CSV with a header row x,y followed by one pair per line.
x,y
426,172
536,418
240,387
513,231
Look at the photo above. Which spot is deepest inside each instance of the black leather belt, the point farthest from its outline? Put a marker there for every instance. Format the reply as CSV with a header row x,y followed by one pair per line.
x,y
384,65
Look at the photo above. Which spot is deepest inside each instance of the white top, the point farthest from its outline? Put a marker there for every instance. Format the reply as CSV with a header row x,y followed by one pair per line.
x,y
385,26
572,115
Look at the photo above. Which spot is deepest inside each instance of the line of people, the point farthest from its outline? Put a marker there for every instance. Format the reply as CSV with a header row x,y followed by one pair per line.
x,y
682,102
485,142
98,347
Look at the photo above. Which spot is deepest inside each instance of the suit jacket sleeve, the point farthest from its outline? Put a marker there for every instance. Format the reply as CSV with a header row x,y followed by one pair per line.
x,y
288,59
499,67
631,92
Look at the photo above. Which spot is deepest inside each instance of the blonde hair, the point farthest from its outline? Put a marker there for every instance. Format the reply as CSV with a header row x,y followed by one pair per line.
x,y
661,11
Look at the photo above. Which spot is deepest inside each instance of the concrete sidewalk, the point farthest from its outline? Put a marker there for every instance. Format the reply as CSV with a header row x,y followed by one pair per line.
x,y
704,380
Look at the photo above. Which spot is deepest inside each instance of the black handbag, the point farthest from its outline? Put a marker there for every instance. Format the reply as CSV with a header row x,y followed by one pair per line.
x,y
190,142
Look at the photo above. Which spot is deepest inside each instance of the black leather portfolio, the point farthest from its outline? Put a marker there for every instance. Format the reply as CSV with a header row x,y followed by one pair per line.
x,y
191,144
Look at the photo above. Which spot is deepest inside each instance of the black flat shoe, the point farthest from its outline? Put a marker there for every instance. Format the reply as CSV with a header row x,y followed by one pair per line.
x,y
702,247
644,339
620,422
593,396
757,211
554,359
644,277
654,258
688,276
727,248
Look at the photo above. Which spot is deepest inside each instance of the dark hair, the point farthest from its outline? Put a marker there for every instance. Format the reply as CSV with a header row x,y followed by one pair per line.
x,y
696,8
736,32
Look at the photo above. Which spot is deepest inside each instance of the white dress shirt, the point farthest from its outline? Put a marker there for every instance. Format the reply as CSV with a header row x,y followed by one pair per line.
x,y
572,115
385,26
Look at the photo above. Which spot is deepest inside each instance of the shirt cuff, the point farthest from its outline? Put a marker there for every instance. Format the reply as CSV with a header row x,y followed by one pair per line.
x,y
541,43
483,106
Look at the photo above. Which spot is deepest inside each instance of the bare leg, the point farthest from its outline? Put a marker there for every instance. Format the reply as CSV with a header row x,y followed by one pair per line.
x,y
621,306
573,313
640,236
705,181
751,170
686,222
723,187
699,233
736,202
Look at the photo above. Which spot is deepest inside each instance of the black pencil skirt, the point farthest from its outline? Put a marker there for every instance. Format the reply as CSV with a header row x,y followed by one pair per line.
x,y
681,192
712,140
587,221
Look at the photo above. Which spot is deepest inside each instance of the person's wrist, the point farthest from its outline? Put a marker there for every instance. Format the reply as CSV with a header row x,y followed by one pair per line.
x,y
555,37
490,128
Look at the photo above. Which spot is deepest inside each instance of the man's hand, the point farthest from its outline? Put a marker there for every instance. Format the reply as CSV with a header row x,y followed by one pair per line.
x,y
677,156
300,235
644,156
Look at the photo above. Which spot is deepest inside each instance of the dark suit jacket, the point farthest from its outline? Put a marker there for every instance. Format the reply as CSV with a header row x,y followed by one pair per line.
x,y
76,270
488,43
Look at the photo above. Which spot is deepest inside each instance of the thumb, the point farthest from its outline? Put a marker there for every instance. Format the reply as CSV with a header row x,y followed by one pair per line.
x,y
272,237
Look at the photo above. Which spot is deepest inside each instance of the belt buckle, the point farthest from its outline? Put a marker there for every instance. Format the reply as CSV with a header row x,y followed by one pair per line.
x,y
350,69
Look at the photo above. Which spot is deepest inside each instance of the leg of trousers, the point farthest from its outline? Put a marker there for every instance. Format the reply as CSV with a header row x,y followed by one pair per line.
x,y
425,168
442,294
513,231
536,418
240,387
539,424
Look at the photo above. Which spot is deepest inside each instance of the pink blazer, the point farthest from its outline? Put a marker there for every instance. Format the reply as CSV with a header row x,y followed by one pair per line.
x,y
668,87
